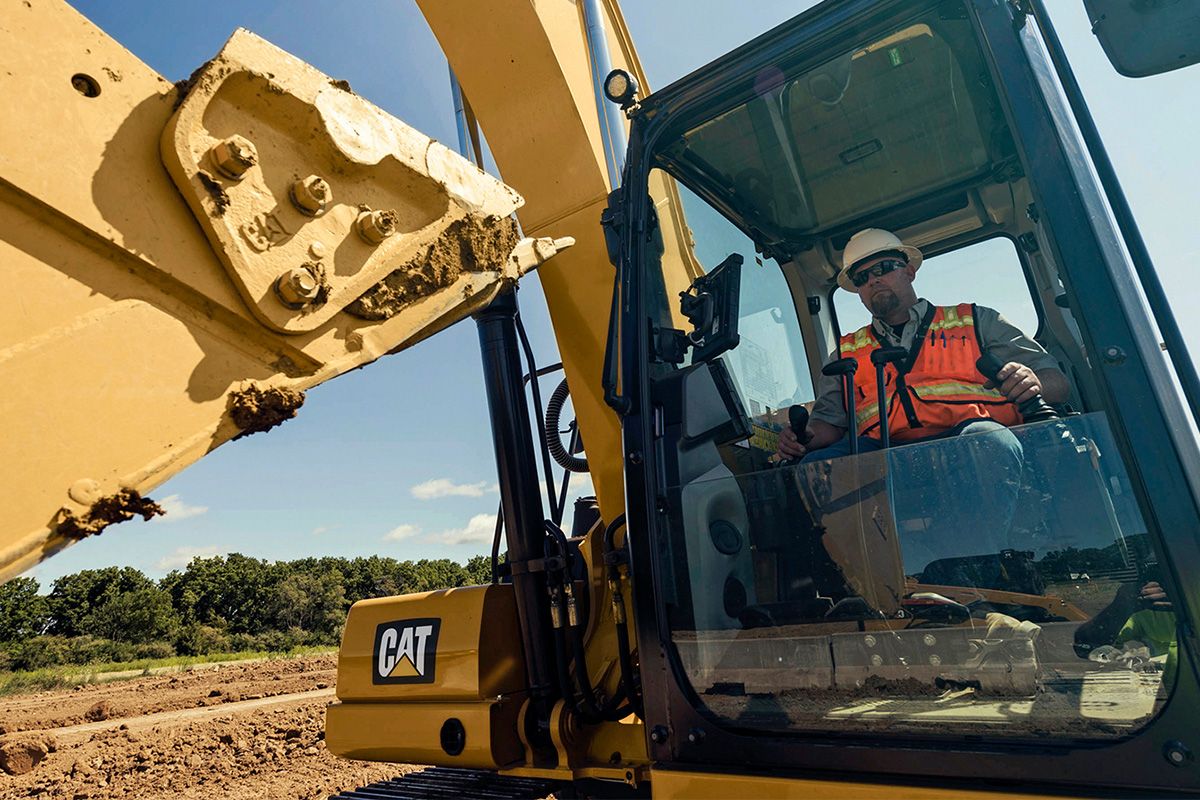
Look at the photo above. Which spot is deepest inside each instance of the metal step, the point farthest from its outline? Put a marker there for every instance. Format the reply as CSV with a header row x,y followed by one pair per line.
x,y
447,783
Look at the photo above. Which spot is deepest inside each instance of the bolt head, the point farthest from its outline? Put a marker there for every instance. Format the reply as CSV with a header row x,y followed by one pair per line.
x,y
233,156
312,195
929,639
375,226
297,287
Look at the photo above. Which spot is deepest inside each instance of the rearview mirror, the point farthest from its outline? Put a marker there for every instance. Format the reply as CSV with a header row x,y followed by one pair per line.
x,y
1146,37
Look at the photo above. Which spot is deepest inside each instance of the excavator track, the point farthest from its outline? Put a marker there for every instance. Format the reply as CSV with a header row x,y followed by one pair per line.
x,y
438,783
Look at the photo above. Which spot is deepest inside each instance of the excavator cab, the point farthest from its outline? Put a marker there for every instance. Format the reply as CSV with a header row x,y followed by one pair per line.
x,y
915,606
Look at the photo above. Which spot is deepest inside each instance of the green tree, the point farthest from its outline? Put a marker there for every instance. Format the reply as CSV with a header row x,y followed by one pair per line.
x,y
74,597
313,603
141,616
427,575
23,612
479,570
230,592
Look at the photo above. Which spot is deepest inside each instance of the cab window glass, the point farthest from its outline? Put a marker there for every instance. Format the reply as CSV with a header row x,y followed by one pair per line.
x,y
988,273
991,581
768,366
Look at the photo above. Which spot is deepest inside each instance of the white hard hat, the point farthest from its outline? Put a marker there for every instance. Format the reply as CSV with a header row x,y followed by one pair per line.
x,y
872,242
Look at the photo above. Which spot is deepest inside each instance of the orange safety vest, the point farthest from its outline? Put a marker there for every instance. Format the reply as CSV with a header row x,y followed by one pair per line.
x,y
944,387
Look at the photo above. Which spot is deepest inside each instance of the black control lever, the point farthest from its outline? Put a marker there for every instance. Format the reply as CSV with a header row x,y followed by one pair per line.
x,y
798,419
1035,409
881,358
845,368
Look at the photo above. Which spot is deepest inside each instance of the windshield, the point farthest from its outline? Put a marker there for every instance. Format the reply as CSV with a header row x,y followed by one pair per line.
x,y
976,581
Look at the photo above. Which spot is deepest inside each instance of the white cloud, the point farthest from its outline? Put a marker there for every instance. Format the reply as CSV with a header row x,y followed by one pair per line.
x,y
444,487
176,509
182,556
317,531
400,533
480,528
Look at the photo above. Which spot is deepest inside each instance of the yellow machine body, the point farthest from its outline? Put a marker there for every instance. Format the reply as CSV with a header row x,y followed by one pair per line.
x,y
411,666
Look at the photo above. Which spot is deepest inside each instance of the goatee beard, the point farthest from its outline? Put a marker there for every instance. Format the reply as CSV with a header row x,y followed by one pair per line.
x,y
884,303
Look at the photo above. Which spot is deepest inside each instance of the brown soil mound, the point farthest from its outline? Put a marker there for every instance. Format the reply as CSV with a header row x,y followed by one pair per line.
x,y
249,746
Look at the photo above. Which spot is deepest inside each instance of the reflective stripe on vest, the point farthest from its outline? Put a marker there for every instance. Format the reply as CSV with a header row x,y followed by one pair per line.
x,y
944,383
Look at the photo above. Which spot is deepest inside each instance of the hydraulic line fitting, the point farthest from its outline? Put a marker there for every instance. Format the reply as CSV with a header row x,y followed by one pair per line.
x,y
572,607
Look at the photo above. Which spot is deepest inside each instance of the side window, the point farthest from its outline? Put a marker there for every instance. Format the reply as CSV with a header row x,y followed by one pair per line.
x,y
988,273
768,365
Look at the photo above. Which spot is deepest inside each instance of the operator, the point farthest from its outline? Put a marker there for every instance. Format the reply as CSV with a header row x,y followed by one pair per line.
x,y
938,392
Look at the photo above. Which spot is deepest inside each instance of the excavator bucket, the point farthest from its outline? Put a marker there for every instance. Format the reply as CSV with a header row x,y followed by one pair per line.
x,y
150,315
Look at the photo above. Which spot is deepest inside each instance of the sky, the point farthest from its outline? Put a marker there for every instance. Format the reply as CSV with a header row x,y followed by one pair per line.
x,y
396,459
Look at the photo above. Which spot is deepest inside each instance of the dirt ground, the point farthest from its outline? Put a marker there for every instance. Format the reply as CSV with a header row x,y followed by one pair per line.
x,y
252,730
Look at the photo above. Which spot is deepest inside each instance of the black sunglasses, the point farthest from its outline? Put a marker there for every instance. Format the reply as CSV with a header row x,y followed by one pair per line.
x,y
878,269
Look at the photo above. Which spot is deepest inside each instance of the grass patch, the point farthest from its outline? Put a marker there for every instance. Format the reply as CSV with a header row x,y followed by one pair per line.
x,y
64,676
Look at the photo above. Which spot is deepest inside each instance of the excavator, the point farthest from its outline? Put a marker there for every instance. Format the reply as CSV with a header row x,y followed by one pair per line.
x,y
186,260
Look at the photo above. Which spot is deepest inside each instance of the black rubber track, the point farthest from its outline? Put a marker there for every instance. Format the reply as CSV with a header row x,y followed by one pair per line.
x,y
447,783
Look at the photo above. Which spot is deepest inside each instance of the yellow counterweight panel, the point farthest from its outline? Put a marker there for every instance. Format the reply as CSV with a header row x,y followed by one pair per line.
x,y
413,733
465,646
130,345
413,669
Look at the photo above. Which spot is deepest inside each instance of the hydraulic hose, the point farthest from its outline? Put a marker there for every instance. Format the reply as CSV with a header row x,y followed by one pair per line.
x,y
553,439
614,559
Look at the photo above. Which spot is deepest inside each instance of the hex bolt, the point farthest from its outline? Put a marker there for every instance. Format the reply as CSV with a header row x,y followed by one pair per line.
x,y
659,734
696,735
233,156
375,226
297,287
311,195
929,639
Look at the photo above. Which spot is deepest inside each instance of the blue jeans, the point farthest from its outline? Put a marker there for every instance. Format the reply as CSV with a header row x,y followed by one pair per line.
x,y
949,500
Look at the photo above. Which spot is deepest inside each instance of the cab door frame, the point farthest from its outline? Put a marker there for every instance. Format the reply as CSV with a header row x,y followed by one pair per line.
x,y
683,737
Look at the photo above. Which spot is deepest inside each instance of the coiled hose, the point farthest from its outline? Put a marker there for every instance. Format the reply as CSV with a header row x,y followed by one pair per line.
x,y
554,443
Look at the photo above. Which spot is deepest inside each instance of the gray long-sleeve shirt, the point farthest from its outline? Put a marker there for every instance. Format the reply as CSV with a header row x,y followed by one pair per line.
x,y
1000,338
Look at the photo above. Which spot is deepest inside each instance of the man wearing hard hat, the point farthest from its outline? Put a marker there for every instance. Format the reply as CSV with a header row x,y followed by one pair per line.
x,y
931,389
936,390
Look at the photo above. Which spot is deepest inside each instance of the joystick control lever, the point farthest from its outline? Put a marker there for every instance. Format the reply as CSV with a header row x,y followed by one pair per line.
x,y
881,358
1035,409
845,368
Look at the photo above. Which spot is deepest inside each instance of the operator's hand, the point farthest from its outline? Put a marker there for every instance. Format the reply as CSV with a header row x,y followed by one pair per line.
x,y
789,445
1018,382
1153,595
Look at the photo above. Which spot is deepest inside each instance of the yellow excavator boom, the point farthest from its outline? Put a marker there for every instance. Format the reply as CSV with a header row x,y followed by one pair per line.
x,y
296,232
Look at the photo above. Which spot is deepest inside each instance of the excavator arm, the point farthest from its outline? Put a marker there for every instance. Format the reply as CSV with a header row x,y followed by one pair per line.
x,y
152,314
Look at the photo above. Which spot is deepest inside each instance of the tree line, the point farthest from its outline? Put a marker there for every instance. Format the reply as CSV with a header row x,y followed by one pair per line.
x,y
230,603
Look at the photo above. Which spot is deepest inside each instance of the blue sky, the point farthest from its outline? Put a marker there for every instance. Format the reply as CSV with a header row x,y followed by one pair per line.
x,y
396,459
